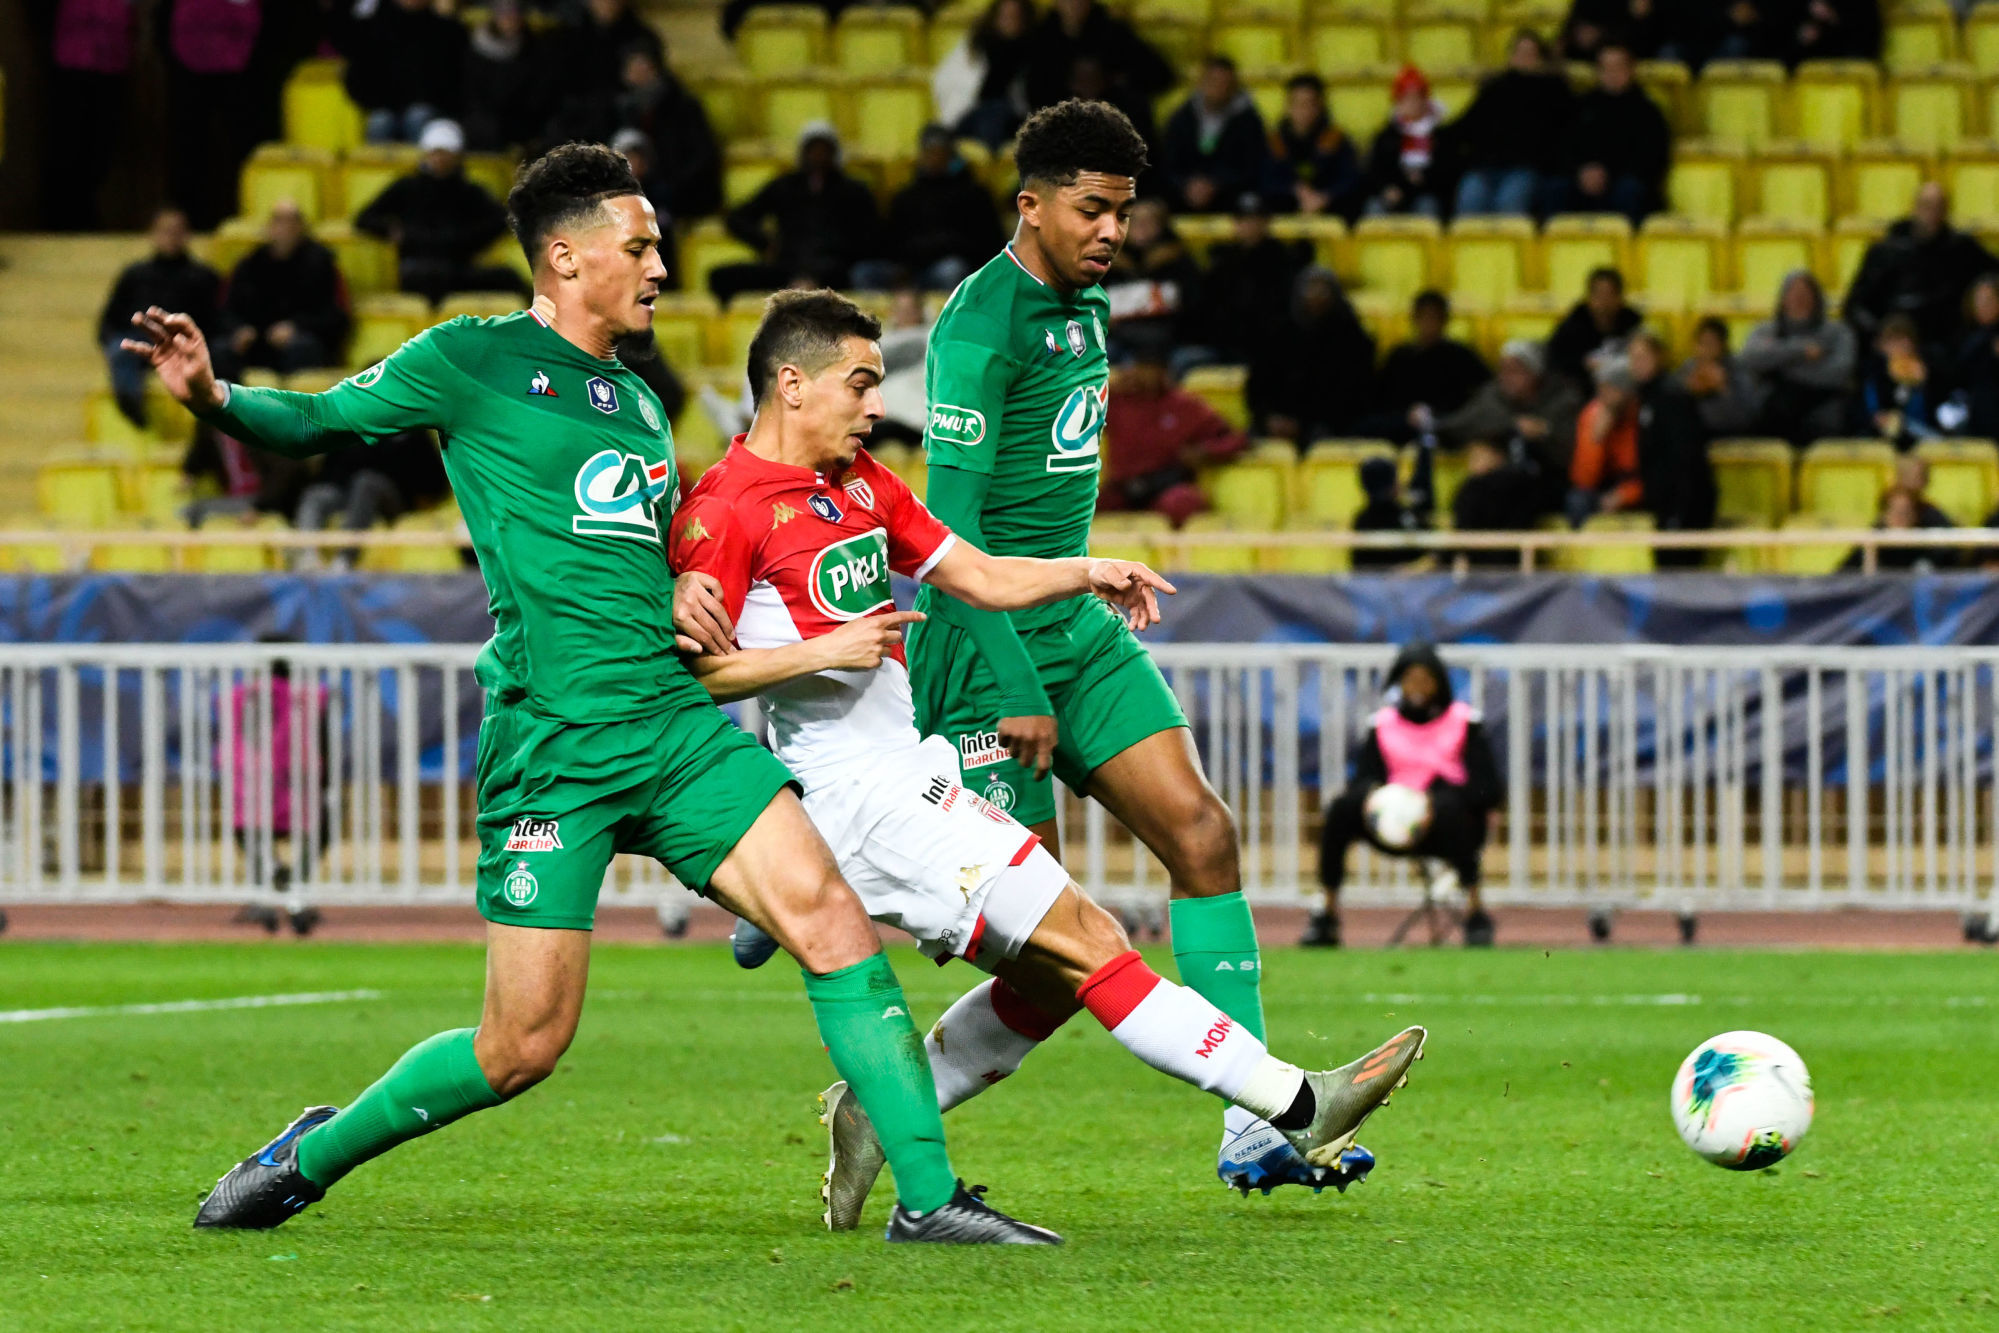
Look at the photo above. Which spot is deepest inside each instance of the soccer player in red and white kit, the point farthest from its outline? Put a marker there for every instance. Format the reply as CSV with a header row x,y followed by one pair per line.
x,y
799,527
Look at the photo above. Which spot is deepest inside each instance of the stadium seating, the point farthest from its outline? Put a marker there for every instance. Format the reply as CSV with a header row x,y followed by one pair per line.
x,y
1879,181
79,493
1703,183
1304,558
1395,255
1766,250
1254,491
1807,559
1919,34
1833,103
1844,479
1678,262
317,111
1327,488
1230,558
1575,243
1752,481
781,40
1741,101
1793,184
874,40
1347,46
1626,558
1490,260
1964,478
1221,387
1932,111
1126,536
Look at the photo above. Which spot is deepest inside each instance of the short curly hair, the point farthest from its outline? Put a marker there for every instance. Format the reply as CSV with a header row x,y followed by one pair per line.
x,y
562,187
1060,142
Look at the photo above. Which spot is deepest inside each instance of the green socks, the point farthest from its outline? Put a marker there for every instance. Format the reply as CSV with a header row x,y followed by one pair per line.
x,y
865,1023
436,1082
1214,945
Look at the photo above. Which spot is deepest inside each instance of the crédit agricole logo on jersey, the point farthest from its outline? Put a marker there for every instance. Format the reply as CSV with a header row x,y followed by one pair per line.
x,y
850,578
621,495
1079,428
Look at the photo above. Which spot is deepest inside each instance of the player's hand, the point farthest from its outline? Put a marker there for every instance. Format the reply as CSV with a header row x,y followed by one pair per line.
x,y
700,618
177,352
1131,588
860,645
1031,742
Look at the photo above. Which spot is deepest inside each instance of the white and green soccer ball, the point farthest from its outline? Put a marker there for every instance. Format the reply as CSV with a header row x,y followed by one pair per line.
x,y
1396,815
1742,1100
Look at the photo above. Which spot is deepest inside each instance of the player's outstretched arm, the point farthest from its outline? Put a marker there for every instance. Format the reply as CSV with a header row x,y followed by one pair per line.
x,y
1012,583
858,645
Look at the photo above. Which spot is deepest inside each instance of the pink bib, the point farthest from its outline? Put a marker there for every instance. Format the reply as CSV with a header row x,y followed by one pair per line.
x,y
1417,753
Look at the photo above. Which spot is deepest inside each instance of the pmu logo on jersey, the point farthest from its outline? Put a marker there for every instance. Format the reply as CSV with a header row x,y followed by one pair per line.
x,y
850,578
535,834
1078,428
962,426
539,387
603,394
620,495
979,748
823,506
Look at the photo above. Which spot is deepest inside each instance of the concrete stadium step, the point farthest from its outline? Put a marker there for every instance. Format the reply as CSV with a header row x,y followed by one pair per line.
x,y
54,295
47,418
47,340
72,256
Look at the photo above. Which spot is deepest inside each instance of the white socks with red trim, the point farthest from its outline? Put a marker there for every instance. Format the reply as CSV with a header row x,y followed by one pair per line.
x,y
1174,1030
981,1039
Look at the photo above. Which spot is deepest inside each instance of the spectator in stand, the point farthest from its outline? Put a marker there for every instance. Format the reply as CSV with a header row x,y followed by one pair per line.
x,y
1604,475
1530,415
980,86
1901,511
225,478
587,62
1672,448
1898,398
171,279
1248,277
1154,286
1310,164
440,222
285,300
1164,435
1406,165
1912,474
1133,72
1385,509
1636,25
1836,30
1600,320
1975,368
405,62
1741,30
686,161
1495,496
1427,378
1214,144
1727,397
1513,134
214,102
941,225
507,99
364,484
83,102
1619,144
1803,361
813,223
1314,370
1921,269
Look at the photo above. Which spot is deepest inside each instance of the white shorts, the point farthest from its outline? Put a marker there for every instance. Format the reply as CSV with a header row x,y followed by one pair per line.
x,y
931,858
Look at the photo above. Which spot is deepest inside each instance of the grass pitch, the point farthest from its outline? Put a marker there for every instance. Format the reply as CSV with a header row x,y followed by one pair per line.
x,y
667,1176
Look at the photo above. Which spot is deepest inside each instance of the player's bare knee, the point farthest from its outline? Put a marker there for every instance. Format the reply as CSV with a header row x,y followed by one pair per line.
x,y
830,928
1203,856
515,1059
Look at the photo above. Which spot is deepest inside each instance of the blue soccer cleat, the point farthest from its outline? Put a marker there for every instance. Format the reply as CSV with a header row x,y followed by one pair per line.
x,y
1261,1158
266,1188
753,947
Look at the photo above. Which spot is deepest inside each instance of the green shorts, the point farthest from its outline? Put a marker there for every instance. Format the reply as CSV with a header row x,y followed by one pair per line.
x,y
1107,695
558,799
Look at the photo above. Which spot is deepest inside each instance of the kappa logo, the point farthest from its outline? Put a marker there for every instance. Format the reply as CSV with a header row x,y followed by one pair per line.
x,y
781,514
979,748
823,506
603,394
520,886
369,378
962,426
695,531
1215,1036
969,879
1079,429
539,387
864,494
1074,336
620,495
534,834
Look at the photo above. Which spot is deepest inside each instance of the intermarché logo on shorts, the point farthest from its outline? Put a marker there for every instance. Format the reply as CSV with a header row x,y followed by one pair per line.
x,y
534,834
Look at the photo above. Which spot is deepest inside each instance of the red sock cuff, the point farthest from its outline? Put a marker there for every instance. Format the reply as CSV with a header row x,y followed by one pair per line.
x,y
1020,1014
1118,987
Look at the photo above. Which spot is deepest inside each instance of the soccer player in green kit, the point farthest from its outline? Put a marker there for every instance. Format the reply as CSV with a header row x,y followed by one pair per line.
x,y
596,738
1018,377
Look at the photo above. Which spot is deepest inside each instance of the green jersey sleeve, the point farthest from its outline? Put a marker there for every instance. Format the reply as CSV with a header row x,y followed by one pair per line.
x,y
968,378
407,390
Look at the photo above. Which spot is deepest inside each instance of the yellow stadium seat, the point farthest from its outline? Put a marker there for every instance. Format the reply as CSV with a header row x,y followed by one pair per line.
x,y
1221,387
1201,232
367,263
1360,99
1575,243
1148,12
749,168
1972,174
1667,82
1918,39
479,305
777,41
1394,254
1453,91
1809,559
1305,559
277,172
706,247
1126,536
1625,558
155,492
1677,262
441,558
1753,479
1327,482
1268,94
132,558
1703,181
1443,44
365,172
878,40
1845,248
234,559
1880,183
730,99
1250,494
228,243
383,322
1931,112
78,493
34,558
1765,251
1489,259
1964,478
1844,479
106,426
1529,315
790,106
494,172
1740,101
1346,46
1447,473
681,341
1253,43
1326,235
1220,558
1981,39
1792,186
1833,103
888,117
317,111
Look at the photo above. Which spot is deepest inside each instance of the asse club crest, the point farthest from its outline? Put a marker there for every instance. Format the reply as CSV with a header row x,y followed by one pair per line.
x,y
850,578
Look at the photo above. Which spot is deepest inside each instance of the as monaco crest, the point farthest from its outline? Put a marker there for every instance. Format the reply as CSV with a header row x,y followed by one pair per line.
x,y
864,494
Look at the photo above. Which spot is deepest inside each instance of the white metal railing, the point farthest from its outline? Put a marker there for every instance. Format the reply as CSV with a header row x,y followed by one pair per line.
x,y
1692,779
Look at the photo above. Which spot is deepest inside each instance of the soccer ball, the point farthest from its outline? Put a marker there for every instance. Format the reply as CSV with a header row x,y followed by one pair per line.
x,y
1396,816
1742,1100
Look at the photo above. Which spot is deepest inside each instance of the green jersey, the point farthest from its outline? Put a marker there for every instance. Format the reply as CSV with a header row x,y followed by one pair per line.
x,y
1018,381
562,464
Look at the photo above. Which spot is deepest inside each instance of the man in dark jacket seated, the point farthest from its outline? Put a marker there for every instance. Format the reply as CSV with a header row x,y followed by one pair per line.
x,y
286,300
1423,739
440,222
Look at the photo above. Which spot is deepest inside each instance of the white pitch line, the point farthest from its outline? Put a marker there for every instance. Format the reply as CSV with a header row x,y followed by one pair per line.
x,y
187,1006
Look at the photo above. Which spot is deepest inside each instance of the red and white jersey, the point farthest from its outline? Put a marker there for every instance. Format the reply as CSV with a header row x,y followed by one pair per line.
x,y
798,554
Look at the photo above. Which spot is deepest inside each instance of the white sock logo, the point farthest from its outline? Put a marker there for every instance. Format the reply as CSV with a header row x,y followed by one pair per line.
x,y
895,1011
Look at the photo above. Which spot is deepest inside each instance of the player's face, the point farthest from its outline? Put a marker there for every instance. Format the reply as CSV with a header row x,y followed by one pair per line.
x,y
1081,226
619,265
841,404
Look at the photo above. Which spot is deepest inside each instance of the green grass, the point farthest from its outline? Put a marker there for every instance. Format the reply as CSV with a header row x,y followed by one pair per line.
x,y
667,1176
